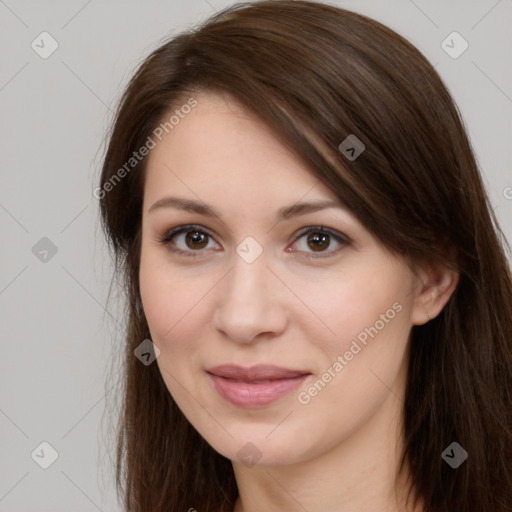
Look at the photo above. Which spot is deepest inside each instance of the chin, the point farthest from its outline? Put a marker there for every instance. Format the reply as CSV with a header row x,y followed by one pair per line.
x,y
252,449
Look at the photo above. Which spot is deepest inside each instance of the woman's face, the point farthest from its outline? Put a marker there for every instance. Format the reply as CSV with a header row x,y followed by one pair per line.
x,y
303,292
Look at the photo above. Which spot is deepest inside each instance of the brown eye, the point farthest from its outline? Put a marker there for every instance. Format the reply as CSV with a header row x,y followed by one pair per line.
x,y
325,242
196,239
318,241
189,241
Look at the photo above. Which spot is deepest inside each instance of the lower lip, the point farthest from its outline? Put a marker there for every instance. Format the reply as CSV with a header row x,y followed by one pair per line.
x,y
245,394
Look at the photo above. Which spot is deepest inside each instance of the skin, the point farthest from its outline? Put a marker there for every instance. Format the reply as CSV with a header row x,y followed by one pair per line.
x,y
340,450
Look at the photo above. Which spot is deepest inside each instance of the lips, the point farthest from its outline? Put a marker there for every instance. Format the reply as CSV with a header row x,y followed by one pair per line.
x,y
255,373
257,386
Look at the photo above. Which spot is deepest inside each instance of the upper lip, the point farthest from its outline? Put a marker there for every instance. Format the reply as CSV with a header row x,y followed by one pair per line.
x,y
257,372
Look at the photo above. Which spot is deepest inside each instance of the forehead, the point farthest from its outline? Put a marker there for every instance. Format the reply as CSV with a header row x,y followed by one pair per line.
x,y
221,147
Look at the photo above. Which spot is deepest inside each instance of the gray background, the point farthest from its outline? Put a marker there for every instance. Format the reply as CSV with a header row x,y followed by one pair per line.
x,y
58,336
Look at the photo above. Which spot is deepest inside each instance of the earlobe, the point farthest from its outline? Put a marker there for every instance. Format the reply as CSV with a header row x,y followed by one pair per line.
x,y
434,288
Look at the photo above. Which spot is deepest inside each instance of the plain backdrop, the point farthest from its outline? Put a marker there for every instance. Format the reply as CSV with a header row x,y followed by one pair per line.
x,y
58,335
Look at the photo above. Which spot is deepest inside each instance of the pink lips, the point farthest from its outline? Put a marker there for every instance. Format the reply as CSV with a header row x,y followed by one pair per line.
x,y
257,386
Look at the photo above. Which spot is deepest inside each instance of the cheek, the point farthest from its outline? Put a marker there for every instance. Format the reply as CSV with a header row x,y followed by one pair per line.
x,y
160,291
362,354
362,363
362,306
171,308
175,305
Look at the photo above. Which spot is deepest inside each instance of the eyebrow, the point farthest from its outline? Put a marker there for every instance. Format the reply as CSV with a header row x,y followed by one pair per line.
x,y
190,205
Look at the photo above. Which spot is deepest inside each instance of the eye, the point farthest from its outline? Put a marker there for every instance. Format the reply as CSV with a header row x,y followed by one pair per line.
x,y
313,241
187,240
316,242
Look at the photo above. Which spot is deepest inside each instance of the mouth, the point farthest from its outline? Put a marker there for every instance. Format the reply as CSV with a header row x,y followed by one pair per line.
x,y
257,386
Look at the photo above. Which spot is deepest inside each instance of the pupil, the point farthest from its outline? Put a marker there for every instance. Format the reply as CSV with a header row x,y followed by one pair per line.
x,y
195,237
318,239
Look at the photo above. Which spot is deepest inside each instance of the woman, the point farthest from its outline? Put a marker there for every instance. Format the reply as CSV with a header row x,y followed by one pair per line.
x,y
319,297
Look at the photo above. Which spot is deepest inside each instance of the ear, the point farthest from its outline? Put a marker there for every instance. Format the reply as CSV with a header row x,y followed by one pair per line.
x,y
434,286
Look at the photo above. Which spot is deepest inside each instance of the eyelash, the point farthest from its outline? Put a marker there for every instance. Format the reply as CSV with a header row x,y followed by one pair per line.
x,y
340,238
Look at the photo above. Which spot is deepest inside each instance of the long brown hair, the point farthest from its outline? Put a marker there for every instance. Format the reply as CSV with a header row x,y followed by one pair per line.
x,y
316,74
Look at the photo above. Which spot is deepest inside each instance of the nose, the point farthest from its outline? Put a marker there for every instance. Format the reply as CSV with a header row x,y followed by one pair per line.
x,y
249,303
